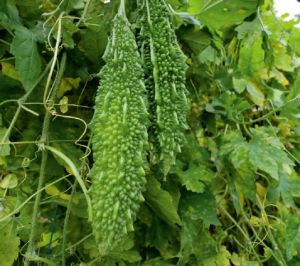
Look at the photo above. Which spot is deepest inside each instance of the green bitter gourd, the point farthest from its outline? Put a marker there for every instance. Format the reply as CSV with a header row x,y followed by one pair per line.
x,y
119,139
165,67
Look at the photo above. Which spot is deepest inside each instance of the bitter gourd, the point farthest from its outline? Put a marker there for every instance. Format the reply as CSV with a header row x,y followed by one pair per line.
x,y
165,68
119,139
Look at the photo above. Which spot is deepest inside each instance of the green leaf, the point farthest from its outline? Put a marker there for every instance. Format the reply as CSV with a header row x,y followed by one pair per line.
x,y
28,9
196,240
163,238
93,43
73,5
251,60
231,141
222,14
28,60
131,256
244,180
242,260
209,55
196,40
157,262
66,130
161,202
288,188
68,28
4,148
266,152
292,236
200,206
239,84
221,259
9,15
195,176
9,245
249,30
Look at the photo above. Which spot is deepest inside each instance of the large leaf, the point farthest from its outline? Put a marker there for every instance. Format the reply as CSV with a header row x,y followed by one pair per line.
x,y
93,43
9,244
161,202
288,189
266,152
200,206
28,61
220,14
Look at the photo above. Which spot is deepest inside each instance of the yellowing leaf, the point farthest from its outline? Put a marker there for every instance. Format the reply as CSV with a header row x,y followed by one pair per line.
x,y
69,170
67,84
9,181
47,6
282,59
52,190
279,76
63,104
261,190
255,221
48,238
189,61
221,259
3,161
255,94
10,71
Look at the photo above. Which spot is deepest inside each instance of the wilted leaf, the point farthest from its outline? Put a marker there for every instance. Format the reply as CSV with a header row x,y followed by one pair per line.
x,y
68,84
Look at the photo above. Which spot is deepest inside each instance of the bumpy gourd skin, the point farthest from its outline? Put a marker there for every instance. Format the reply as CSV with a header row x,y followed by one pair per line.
x,y
119,139
165,68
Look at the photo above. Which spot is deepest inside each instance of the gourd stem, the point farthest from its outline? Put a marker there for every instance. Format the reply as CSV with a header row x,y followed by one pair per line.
x,y
121,11
67,216
44,139
66,221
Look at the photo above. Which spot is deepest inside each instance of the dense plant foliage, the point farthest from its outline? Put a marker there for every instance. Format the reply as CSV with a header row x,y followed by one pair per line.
x,y
231,198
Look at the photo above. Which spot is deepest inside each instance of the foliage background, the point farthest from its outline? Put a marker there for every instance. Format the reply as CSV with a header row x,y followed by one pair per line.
x,y
233,196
